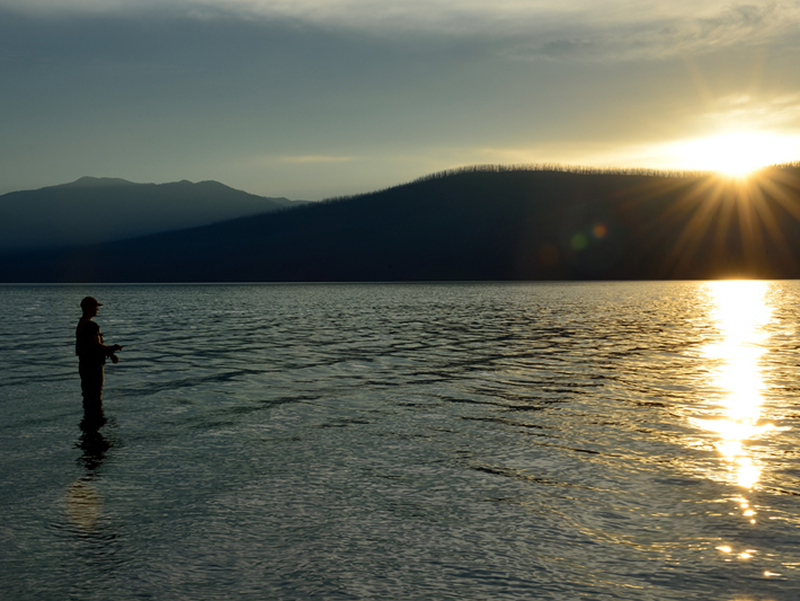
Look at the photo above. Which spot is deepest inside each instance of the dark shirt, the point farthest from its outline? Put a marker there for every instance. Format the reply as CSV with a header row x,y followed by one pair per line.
x,y
89,343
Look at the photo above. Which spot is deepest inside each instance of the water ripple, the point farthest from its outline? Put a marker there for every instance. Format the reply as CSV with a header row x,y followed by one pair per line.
x,y
457,441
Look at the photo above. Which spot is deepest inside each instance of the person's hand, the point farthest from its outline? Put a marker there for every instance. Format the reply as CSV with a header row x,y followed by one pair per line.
x,y
114,359
116,348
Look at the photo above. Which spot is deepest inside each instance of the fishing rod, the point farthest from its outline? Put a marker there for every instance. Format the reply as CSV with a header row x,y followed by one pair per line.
x,y
141,343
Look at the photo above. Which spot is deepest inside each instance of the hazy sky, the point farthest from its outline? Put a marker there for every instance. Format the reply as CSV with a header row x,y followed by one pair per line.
x,y
317,98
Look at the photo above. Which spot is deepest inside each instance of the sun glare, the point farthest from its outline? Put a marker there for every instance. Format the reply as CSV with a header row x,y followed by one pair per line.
x,y
738,154
741,314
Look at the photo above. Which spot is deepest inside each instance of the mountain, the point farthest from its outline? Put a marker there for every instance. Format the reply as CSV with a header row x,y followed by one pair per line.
x,y
475,224
92,210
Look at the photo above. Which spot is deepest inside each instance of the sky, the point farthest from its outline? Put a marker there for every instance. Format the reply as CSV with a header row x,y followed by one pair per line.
x,y
312,99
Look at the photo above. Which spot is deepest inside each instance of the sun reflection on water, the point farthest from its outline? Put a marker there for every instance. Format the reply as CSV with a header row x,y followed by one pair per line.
x,y
741,313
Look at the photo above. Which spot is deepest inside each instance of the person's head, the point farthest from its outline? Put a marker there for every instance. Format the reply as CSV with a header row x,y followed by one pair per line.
x,y
89,305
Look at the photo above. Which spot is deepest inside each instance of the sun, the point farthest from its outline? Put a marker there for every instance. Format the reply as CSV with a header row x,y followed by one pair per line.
x,y
737,154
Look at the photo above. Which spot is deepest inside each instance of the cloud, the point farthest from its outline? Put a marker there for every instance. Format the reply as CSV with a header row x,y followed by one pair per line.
x,y
549,30
660,35
749,112
712,20
304,159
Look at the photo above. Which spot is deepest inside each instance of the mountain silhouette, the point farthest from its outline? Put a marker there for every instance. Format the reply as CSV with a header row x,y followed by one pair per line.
x,y
92,210
475,224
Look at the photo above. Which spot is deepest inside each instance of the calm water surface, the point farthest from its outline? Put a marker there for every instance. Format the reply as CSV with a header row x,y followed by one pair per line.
x,y
533,441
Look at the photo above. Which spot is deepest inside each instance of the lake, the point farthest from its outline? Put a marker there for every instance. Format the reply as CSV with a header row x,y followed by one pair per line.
x,y
561,441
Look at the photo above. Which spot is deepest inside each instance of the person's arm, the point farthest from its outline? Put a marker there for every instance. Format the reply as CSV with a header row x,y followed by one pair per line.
x,y
97,343
111,351
90,342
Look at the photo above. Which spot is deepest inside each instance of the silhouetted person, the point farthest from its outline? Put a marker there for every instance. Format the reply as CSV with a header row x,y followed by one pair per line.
x,y
92,354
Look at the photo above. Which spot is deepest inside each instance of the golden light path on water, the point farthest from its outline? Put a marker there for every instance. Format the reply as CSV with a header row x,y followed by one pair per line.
x,y
741,314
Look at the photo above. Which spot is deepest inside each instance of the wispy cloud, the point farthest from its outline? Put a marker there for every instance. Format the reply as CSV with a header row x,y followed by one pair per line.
x,y
745,111
313,158
649,21
524,29
660,34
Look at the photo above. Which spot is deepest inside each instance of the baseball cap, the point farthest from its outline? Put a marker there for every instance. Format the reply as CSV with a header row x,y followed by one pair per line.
x,y
90,301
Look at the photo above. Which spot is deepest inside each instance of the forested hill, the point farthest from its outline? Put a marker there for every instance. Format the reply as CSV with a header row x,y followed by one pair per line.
x,y
479,224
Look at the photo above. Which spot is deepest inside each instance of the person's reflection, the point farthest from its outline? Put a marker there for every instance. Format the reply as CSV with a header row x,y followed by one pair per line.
x,y
94,446
84,504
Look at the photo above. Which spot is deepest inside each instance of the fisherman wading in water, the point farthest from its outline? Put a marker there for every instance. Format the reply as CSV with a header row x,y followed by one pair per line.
x,y
92,354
